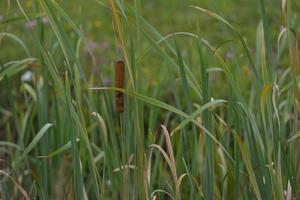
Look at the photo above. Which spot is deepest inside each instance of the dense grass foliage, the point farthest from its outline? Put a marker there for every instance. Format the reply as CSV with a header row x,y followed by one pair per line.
x,y
209,107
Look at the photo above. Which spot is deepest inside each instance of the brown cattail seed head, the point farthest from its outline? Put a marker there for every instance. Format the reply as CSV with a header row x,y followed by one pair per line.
x,y
120,74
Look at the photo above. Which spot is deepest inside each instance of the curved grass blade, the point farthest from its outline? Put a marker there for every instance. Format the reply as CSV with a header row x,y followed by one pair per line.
x,y
244,44
165,106
34,142
16,39
59,151
197,113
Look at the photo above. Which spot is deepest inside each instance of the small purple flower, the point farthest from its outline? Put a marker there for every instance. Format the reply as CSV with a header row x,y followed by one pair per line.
x,y
31,24
91,46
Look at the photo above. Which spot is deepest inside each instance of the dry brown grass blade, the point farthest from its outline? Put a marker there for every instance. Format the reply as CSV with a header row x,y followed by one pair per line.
x,y
170,150
178,184
165,155
18,185
169,157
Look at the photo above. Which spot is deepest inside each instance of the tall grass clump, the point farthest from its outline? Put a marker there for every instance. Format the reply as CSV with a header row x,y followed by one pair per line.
x,y
148,115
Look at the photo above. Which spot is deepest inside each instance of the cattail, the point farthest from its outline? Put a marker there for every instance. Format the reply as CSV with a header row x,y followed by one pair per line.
x,y
120,74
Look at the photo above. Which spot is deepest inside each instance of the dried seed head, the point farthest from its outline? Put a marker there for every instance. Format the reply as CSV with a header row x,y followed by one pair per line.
x,y
120,74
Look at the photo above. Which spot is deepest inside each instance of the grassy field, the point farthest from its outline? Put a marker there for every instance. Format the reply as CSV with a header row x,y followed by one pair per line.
x,y
207,107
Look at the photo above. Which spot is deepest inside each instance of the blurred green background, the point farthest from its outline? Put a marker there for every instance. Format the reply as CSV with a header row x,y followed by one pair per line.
x,y
166,16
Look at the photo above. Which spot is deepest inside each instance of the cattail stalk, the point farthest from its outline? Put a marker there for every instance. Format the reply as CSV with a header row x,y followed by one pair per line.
x,y
120,74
